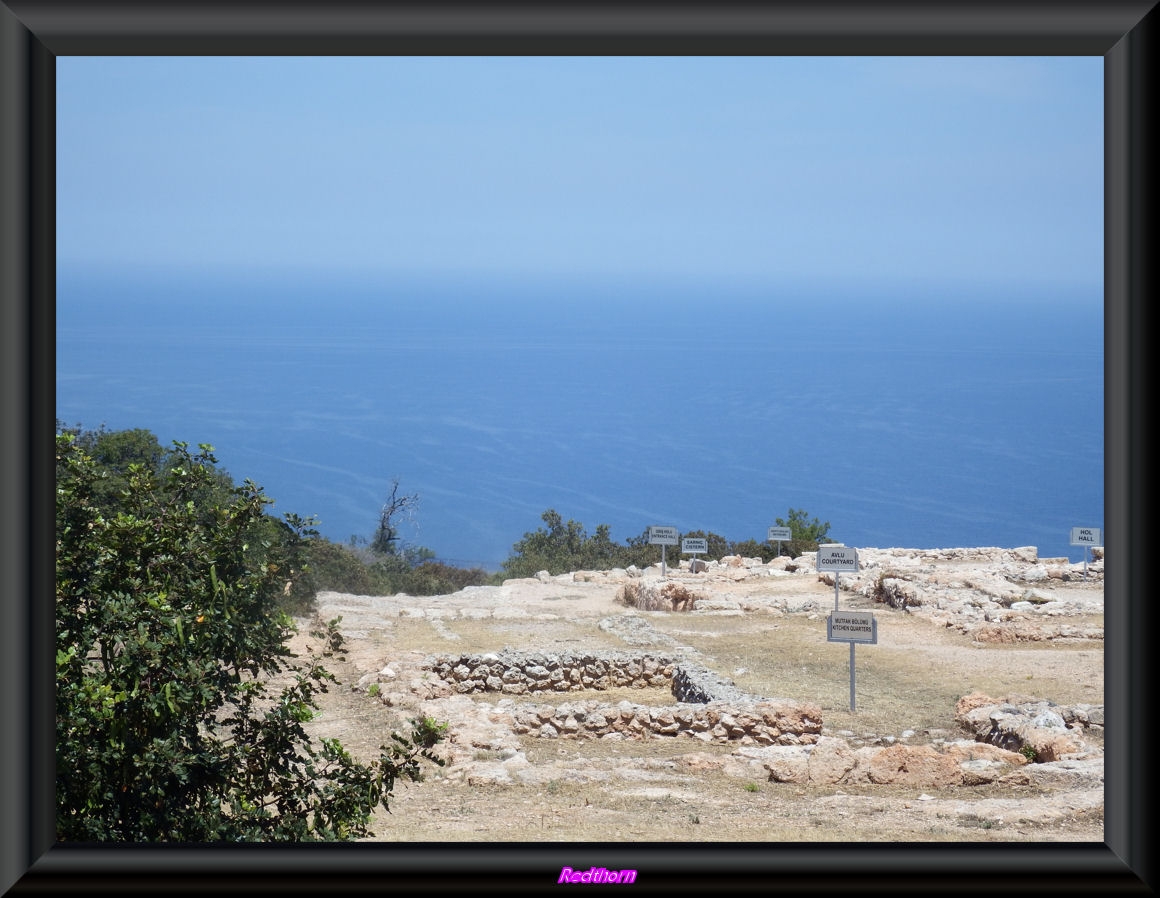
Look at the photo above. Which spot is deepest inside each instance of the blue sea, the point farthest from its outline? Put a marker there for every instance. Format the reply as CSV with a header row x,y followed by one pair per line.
x,y
911,417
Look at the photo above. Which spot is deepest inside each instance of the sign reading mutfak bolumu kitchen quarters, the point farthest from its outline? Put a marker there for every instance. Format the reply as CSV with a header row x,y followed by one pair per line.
x,y
852,626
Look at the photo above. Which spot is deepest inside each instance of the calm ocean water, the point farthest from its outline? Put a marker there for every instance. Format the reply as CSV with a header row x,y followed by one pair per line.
x,y
914,420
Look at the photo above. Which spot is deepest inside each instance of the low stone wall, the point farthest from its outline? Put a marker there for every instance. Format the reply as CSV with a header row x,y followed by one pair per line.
x,y
760,723
519,673
710,708
1051,732
693,683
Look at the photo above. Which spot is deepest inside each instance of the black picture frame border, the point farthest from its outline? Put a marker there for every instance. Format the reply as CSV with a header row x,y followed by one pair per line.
x,y
33,33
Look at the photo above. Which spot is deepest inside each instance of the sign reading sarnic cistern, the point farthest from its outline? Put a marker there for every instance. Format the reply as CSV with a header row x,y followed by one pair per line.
x,y
694,545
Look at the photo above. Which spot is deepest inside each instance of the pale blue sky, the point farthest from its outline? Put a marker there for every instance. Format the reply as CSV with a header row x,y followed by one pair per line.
x,y
931,171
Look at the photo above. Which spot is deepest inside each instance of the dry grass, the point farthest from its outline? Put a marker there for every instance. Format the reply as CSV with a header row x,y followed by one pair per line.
x,y
910,680
488,635
710,808
640,791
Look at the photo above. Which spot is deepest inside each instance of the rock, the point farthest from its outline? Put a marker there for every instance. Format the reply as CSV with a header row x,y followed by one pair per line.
x,y
981,771
1050,744
1080,773
914,765
966,750
1019,724
830,761
791,764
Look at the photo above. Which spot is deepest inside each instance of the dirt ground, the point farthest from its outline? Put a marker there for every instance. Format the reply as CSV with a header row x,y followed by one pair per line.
x,y
767,632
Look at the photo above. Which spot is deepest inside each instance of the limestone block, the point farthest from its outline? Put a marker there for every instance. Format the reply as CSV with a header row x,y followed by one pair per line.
x,y
831,761
1051,744
790,765
913,765
981,771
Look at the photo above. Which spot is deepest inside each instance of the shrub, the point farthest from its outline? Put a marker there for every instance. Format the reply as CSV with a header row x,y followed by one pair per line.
x,y
168,634
889,591
647,597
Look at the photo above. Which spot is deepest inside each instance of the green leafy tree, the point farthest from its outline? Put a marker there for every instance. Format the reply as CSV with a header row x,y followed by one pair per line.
x,y
169,636
751,548
554,548
599,552
640,552
718,545
562,546
806,535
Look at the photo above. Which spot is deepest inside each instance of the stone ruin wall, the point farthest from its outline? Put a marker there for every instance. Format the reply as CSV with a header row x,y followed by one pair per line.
x,y
709,708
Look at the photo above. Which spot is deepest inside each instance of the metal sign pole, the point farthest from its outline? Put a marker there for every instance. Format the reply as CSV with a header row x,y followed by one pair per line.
x,y
852,706
1085,558
664,570
836,576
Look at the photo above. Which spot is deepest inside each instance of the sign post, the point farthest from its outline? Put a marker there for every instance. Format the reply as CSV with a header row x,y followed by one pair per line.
x,y
849,626
837,559
777,534
662,536
1085,536
852,627
693,545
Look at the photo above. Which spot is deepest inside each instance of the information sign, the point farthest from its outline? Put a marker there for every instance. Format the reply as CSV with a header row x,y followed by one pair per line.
x,y
692,545
1085,536
663,536
837,558
852,626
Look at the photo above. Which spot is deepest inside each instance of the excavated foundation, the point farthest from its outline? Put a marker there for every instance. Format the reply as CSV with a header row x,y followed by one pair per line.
x,y
708,707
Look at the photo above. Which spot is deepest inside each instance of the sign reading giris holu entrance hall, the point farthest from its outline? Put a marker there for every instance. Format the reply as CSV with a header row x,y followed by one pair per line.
x,y
1085,536
663,536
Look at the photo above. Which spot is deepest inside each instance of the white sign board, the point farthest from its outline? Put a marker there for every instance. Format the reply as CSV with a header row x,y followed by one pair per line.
x,y
1085,536
837,558
663,536
779,534
852,626
692,545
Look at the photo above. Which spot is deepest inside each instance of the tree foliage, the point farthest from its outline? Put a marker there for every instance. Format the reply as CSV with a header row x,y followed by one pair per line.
x,y
169,637
563,546
806,535
556,548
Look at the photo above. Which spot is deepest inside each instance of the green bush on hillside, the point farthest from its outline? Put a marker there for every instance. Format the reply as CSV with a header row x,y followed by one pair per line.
x,y
563,546
169,630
